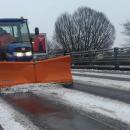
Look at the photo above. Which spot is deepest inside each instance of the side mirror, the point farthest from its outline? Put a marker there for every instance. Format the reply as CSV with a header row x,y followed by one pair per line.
x,y
36,31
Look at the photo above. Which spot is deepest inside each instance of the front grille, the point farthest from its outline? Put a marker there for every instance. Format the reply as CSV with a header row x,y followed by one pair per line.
x,y
22,49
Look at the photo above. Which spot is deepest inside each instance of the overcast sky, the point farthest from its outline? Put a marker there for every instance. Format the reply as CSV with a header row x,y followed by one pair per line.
x,y
43,13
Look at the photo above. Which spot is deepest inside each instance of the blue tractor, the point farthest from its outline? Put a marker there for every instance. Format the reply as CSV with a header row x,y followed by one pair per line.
x,y
15,40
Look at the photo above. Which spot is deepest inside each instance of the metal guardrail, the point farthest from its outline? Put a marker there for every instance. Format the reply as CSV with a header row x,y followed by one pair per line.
x,y
116,57
110,57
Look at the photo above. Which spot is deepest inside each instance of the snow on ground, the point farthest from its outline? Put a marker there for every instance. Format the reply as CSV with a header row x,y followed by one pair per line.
x,y
24,88
88,102
100,82
81,101
103,71
102,74
11,120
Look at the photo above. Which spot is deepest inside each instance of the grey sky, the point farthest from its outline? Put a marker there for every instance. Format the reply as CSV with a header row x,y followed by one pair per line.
x,y
43,13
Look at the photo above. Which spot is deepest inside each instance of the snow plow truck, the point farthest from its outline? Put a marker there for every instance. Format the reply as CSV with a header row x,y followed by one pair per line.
x,y
17,65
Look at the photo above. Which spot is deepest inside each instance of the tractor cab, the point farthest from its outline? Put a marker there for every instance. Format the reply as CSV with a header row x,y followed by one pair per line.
x,y
15,44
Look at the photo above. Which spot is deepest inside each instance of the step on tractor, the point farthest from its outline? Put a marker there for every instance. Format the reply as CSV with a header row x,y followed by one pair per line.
x,y
18,57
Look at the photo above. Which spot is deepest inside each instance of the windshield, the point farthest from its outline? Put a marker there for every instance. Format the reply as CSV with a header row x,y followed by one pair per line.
x,y
18,31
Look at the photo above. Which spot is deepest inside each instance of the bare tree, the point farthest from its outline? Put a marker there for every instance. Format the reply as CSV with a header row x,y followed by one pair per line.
x,y
86,29
64,31
127,28
126,32
54,47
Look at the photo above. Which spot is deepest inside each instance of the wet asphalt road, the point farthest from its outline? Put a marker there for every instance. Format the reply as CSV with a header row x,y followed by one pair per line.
x,y
52,116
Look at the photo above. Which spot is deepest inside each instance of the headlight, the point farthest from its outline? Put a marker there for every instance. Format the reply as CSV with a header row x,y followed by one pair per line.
x,y
28,53
19,54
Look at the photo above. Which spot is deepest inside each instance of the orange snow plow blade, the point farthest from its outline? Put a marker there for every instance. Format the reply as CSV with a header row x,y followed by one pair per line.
x,y
13,73
55,70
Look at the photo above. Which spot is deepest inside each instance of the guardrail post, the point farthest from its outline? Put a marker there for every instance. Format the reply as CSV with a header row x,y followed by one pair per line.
x,y
116,62
89,57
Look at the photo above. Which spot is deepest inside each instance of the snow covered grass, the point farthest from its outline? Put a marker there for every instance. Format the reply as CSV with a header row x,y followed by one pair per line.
x,y
100,82
11,120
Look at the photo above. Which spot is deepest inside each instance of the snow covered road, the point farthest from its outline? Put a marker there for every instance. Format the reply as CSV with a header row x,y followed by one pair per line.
x,y
102,71
116,84
115,75
112,85
105,110
95,100
11,119
123,77
51,115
